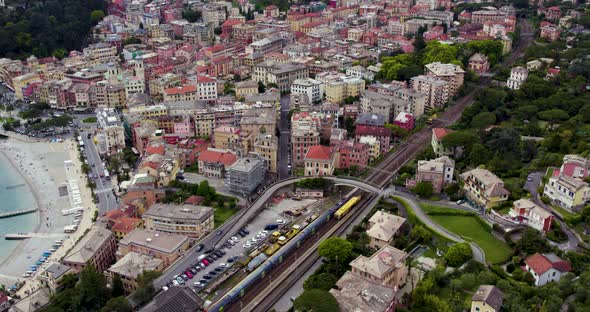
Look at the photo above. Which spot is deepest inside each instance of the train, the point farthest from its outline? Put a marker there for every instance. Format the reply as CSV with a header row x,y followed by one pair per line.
x,y
346,207
280,254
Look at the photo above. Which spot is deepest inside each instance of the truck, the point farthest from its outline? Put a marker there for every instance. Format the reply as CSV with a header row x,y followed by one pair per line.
x,y
70,228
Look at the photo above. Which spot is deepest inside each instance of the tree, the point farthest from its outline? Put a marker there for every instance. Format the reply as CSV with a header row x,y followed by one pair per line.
x,y
553,115
483,120
349,125
191,16
423,189
336,250
531,242
131,40
92,290
458,254
438,52
316,300
261,87
117,304
323,281
145,287
96,16
118,289
421,234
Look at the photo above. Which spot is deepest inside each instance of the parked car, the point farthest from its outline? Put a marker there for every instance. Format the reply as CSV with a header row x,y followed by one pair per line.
x,y
200,247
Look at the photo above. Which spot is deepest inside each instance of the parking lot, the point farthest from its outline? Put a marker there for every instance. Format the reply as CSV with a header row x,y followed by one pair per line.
x,y
212,263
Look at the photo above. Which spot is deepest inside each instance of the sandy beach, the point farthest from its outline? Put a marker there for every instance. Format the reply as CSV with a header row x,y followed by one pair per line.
x,y
42,166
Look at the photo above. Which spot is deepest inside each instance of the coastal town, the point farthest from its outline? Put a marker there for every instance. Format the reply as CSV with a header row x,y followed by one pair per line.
x,y
262,155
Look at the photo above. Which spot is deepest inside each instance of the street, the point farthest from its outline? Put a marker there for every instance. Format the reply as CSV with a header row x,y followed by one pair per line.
x,y
285,129
533,181
104,192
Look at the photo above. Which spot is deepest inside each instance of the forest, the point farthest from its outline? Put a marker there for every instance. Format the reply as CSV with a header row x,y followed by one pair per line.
x,y
47,27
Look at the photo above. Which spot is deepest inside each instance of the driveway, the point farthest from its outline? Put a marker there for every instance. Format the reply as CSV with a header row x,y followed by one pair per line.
x,y
531,186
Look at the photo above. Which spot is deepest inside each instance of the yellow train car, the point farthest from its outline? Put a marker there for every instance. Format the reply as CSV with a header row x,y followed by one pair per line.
x,y
346,207
272,249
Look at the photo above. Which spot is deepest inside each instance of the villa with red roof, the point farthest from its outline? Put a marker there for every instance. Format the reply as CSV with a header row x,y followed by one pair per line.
x,y
320,160
437,146
546,268
213,164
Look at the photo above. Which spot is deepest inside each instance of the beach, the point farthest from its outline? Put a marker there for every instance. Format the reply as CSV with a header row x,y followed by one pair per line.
x,y
41,165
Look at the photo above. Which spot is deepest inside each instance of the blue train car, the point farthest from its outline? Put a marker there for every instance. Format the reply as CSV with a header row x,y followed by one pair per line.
x,y
261,271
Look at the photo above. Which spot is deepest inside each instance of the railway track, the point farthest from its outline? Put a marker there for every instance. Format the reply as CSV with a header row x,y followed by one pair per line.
x,y
265,292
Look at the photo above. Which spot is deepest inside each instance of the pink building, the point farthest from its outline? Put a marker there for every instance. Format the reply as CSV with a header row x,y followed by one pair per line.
x,y
404,121
184,127
434,33
352,153
165,52
550,31
382,134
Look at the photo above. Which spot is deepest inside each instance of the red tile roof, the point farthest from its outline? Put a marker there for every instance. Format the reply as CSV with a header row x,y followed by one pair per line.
x,y
205,79
440,133
231,22
213,156
541,264
158,149
181,90
126,225
194,200
319,152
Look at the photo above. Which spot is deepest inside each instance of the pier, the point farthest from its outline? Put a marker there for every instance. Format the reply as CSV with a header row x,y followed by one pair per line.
x,y
21,236
16,213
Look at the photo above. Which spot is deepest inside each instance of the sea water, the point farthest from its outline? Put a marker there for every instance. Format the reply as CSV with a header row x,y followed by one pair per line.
x,y
14,196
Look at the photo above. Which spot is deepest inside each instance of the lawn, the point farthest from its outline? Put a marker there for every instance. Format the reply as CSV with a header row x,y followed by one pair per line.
x,y
222,214
438,210
89,120
470,229
566,214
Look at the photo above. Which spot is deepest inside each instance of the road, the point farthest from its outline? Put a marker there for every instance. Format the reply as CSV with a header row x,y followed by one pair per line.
x,y
533,181
238,221
284,138
104,192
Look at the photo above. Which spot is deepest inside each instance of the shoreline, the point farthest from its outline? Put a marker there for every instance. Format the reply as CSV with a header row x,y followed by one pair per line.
x,y
36,201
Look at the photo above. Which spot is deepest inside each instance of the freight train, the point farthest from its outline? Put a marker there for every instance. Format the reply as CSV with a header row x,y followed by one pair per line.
x,y
278,257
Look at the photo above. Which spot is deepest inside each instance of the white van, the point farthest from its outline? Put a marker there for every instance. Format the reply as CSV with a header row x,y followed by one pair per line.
x,y
201,257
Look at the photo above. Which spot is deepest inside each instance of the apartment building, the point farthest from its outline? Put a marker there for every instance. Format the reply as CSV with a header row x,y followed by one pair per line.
x,y
305,133
131,266
525,211
387,267
518,76
244,88
167,247
451,73
97,248
262,123
319,161
383,227
100,53
338,87
20,82
190,220
111,133
214,164
374,146
266,145
246,174
206,88
391,106
181,93
265,45
214,14
438,171
52,277
351,153
356,293
227,137
281,74
436,91
314,89
567,192
484,188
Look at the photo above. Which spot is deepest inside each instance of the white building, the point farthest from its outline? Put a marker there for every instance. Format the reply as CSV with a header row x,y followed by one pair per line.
x,y
206,88
546,268
518,76
314,89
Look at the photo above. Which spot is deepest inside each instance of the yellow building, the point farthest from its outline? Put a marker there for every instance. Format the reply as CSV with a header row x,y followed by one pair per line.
x,y
484,188
246,87
266,145
226,137
487,298
338,89
22,81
